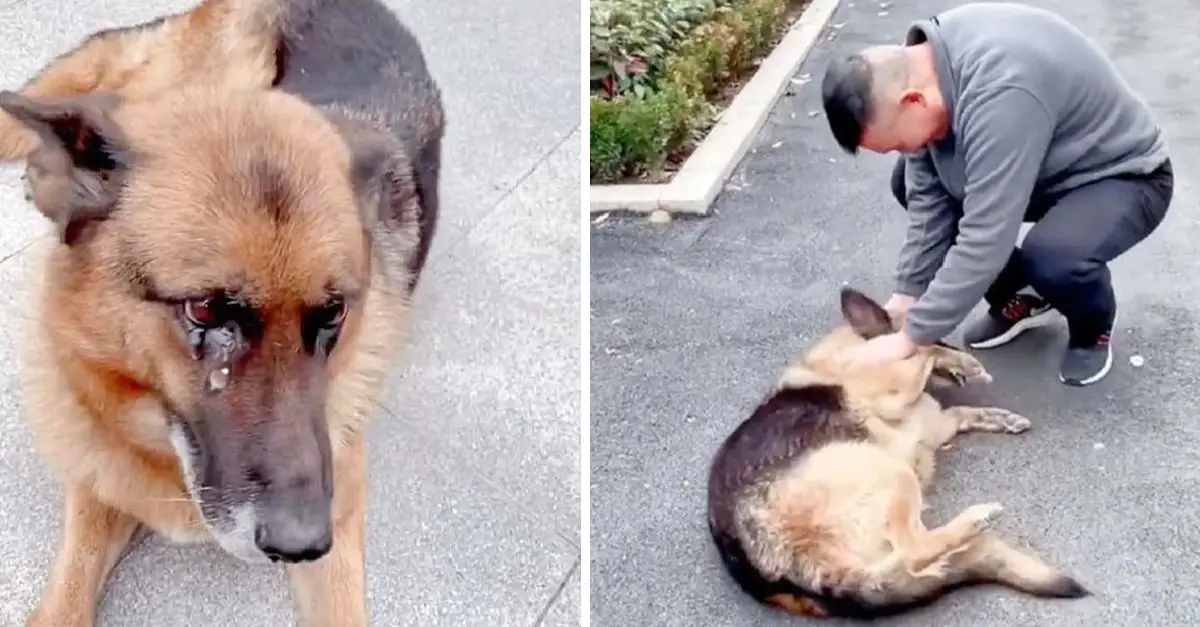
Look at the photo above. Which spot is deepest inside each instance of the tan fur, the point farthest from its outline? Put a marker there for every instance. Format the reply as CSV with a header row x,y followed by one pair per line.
x,y
847,516
225,42
94,353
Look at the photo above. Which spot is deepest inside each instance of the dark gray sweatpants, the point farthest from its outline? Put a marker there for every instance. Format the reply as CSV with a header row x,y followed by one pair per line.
x,y
1075,235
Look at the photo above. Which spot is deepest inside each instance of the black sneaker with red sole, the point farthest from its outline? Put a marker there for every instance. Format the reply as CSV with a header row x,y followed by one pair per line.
x,y
1002,325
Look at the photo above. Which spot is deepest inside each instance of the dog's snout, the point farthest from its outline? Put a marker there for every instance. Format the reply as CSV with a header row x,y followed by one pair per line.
x,y
292,535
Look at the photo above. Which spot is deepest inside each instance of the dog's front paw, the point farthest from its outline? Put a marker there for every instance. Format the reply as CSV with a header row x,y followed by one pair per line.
x,y
1007,421
973,372
960,368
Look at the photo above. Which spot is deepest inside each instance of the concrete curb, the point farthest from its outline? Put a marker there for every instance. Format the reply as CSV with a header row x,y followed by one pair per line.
x,y
696,185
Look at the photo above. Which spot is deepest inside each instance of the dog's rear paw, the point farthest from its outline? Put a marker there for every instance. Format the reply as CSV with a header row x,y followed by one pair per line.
x,y
984,515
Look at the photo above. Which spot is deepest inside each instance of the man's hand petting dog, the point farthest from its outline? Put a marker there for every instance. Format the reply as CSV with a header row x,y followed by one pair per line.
x,y
878,350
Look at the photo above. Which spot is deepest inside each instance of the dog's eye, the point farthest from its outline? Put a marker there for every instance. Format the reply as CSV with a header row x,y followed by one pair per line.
x,y
207,312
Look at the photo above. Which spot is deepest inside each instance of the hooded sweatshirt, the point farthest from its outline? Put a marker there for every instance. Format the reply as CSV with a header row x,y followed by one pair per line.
x,y
1034,107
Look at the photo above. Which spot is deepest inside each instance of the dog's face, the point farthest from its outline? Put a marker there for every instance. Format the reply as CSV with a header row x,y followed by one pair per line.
x,y
215,251
889,386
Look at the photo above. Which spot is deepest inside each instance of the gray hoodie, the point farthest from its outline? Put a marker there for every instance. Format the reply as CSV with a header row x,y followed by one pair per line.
x,y
1034,106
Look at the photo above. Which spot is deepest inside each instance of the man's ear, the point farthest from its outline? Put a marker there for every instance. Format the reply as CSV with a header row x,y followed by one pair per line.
x,y
75,177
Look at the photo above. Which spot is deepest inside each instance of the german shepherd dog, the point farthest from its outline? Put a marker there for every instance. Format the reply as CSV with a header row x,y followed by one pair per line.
x,y
815,501
228,287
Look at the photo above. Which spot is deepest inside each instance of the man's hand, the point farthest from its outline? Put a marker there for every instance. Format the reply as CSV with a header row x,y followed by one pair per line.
x,y
899,304
879,350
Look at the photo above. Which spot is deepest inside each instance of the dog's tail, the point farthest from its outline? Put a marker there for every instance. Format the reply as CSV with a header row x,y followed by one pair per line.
x,y
991,559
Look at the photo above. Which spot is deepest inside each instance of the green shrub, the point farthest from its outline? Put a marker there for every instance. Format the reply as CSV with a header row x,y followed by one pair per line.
x,y
634,134
649,111
631,40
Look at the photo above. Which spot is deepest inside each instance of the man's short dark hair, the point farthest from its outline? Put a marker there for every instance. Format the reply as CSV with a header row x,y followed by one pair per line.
x,y
846,91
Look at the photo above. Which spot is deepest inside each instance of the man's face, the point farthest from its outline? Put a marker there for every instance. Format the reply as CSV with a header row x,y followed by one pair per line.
x,y
904,126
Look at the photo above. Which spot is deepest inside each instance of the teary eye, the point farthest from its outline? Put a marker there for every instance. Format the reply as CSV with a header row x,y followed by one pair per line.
x,y
206,312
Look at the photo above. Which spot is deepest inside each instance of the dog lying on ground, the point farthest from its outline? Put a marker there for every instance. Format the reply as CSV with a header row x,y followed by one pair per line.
x,y
228,287
815,501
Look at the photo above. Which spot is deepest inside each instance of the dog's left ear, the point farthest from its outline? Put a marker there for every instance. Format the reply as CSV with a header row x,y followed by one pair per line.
x,y
370,166
865,316
74,177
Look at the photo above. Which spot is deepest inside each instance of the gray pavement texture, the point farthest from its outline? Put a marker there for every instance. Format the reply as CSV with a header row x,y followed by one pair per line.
x,y
475,506
691,322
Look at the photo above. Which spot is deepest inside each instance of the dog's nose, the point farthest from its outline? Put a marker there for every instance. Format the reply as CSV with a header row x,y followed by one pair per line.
x,y
288,538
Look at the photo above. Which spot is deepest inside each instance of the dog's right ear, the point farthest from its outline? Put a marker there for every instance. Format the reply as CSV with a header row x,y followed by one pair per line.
x,y
75,176
865,316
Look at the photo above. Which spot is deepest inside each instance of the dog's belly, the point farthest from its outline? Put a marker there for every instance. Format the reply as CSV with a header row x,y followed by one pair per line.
x,y
846,487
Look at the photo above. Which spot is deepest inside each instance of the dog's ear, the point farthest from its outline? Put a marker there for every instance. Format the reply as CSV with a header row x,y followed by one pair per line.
x,y
370,167
74,177
865,316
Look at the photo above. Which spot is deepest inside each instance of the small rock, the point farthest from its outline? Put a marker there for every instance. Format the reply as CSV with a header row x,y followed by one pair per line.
x,y
660,217
777,144
1098,445
1137,361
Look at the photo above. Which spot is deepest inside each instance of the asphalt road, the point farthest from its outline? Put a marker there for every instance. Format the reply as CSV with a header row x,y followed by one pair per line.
x,y
474,515
690,323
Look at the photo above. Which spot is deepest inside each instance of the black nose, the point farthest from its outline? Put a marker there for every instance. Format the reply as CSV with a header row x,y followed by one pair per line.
x,y
290,539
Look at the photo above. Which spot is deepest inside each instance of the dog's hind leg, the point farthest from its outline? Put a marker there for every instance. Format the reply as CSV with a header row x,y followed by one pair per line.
x,y
988,419
926,552
94,537
990,559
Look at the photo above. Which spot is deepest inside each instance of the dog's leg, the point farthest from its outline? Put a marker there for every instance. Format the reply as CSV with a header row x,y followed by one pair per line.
x,y
921,550
94,537
989,419
331,592
962,368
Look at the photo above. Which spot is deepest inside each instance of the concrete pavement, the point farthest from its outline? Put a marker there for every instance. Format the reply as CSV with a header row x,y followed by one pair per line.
x,y
474,514
691,322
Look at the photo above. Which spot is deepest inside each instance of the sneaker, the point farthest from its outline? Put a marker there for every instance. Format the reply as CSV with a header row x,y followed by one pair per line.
x,y
1085,365
1002,325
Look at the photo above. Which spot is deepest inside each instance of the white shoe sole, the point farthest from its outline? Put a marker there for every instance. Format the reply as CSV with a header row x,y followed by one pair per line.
x,y
1032,322
1103,371
1094,378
